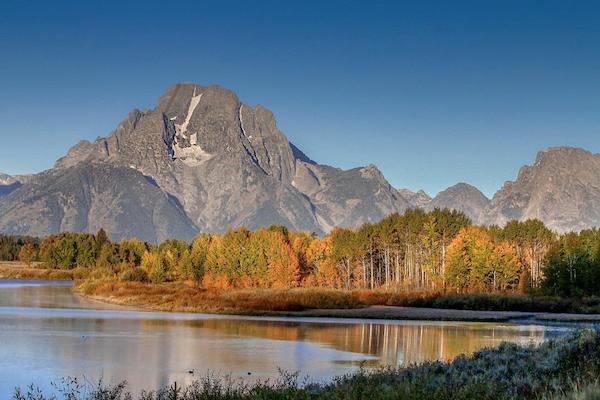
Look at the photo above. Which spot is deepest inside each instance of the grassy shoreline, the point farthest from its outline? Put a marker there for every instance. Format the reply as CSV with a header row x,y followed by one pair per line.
x,y
17,270
304,303
315,302
566,368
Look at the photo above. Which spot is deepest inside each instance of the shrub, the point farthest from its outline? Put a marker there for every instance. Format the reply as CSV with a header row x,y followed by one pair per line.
x,y
135,274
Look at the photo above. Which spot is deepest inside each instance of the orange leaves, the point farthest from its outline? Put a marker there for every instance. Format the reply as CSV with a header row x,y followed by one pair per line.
x,y
245,259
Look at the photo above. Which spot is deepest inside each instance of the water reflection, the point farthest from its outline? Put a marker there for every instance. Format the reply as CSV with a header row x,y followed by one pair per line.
x,y
44,294
390,343
150,350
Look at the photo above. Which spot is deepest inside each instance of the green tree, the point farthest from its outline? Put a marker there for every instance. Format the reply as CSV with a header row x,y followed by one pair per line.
x,y
153,264
108,256
85,250
342,253
198,256
131,251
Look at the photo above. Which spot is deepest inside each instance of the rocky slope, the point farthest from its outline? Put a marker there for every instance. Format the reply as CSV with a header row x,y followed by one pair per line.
x,y
417,199
562,188
215,161
93,196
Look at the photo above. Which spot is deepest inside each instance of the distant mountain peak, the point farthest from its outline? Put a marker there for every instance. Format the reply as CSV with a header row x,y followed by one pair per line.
x,y
6,179
9,184
462,197
418,199
561,188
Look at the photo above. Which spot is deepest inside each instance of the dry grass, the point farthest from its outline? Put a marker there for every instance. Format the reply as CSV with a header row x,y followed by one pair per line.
x,y
18,270
185,297
104,284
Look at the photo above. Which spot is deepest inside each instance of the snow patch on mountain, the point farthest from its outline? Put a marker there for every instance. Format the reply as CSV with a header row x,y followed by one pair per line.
x,y
194,101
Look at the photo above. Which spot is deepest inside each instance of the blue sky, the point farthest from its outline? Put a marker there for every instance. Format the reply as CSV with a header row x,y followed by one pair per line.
x,y
431,92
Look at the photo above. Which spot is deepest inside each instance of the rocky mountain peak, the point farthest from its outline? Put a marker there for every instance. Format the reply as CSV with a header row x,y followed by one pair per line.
x,y
418,199
371,171
202,160
561,188
218,163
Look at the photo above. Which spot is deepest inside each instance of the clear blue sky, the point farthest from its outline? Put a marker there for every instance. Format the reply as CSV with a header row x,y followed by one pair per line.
x,y
431,92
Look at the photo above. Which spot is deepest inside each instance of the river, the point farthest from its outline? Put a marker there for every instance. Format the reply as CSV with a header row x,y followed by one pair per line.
x,y
47,332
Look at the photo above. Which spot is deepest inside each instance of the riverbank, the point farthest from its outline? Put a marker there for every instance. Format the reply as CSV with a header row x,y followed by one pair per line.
x,y
309,303
18,270
553,370
316,302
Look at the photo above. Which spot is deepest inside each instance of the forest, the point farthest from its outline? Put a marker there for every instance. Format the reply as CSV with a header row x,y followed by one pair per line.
x,y
437,251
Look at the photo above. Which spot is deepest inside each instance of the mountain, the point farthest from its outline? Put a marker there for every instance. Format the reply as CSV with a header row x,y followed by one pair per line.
x,y
561,188
93,196
8,184
464,198
201,160
6,179
417,199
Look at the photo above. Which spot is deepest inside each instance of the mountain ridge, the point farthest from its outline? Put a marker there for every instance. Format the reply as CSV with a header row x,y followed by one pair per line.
x,y
225,162
206,161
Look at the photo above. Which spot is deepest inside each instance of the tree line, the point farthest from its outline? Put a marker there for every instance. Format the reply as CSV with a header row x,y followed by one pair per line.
x,y
440,250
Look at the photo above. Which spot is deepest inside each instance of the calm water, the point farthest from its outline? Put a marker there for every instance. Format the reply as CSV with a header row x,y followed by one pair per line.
x,y
46,333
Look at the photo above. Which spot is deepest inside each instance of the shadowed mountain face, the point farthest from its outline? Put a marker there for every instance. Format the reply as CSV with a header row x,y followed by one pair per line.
x,y
93,196
8,184
200,161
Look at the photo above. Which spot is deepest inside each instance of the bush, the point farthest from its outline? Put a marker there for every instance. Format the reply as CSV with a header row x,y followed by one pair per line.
x,y
135,274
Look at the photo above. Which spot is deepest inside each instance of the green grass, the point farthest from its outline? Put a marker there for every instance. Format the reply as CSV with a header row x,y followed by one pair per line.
x,y
507,372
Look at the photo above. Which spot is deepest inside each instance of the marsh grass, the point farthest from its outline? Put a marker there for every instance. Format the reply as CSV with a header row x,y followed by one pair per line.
x,y
17,270
186,296
179,296
506,372
130,286
481,301
590,391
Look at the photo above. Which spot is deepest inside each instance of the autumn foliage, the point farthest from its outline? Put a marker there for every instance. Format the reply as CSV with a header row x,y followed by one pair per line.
x,y
439,251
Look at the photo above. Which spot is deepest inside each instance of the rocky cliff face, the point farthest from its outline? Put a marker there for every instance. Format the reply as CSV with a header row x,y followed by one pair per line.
x,y
562,188
216,162
417,199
